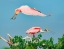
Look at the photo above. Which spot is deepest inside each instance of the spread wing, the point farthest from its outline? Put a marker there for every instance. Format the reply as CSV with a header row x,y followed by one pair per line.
x,y
31,11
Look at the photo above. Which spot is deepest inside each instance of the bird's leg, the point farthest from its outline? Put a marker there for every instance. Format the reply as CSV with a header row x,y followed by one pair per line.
x,y
33,35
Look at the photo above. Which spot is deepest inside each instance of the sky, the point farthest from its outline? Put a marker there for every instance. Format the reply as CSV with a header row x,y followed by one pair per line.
x,y
23,22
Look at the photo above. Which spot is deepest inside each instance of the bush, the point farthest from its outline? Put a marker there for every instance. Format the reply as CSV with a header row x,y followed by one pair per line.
x,y
19,43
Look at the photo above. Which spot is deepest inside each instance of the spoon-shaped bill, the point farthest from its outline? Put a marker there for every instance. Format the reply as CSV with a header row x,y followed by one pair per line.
x,y
14,17
46,30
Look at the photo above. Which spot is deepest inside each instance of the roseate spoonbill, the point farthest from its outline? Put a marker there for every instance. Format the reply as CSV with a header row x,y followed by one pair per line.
x,y
34,30
25,9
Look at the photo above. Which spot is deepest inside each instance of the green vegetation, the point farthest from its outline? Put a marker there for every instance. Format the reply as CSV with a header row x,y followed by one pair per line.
x,y
37,42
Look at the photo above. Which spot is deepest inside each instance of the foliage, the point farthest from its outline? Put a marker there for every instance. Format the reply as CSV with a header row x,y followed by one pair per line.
x,y
6,48
37,43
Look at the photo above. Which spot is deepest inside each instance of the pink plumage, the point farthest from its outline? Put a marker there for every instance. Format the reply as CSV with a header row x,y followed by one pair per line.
x,y
25,9
30,11
33,30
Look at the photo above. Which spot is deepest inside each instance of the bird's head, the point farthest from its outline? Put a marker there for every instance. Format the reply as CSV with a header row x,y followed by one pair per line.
x,y
46,30
17,11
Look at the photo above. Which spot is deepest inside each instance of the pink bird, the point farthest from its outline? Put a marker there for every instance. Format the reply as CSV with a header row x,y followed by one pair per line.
x,y
25,9
34,30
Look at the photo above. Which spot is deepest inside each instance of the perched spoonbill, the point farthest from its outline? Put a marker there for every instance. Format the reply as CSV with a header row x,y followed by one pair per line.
x,y
25,9
34,30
